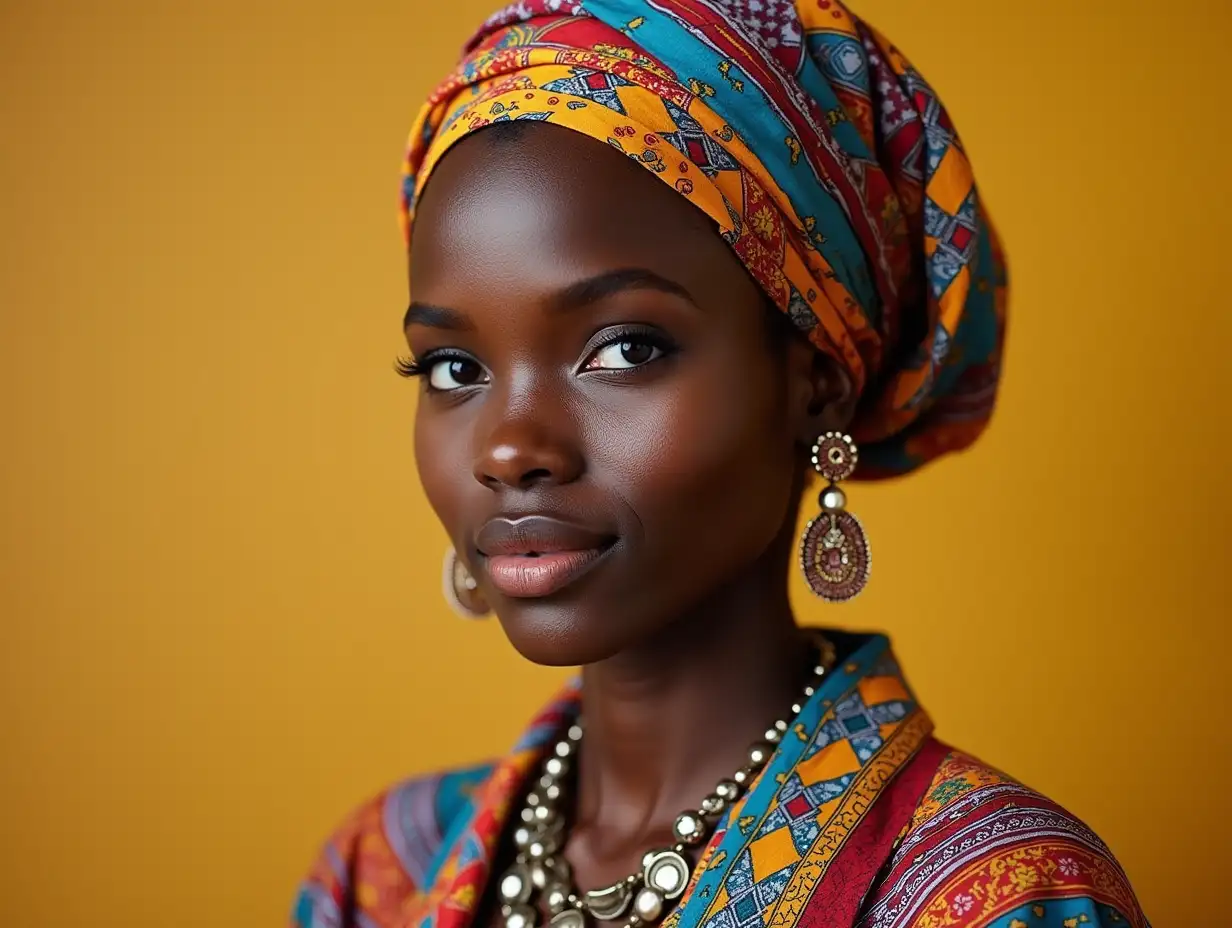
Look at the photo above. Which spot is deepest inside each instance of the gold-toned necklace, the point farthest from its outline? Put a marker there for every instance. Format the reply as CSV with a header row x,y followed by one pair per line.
x,y
642,898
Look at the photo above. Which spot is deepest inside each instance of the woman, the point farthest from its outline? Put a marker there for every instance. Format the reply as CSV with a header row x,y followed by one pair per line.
x,y
661,253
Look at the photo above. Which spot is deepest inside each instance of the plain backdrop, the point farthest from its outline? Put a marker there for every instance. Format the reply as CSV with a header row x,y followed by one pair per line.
x,y
219,579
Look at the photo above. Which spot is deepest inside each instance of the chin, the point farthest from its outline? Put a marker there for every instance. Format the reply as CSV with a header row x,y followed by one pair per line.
x,y
559,634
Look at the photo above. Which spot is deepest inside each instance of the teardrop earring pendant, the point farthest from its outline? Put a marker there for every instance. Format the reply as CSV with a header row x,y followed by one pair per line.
x,y
834,550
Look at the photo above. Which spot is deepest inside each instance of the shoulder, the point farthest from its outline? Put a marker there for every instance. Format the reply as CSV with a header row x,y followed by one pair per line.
x,y
384,851
982,849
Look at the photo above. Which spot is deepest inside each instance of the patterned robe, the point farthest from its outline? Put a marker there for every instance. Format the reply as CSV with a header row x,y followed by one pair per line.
x,y
860,818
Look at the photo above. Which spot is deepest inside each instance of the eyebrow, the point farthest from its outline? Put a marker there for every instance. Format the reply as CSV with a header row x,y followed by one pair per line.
x,y
434,317
609,283
575,296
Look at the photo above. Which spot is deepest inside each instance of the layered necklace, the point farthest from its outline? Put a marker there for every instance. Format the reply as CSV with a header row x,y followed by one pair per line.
x,y
645,897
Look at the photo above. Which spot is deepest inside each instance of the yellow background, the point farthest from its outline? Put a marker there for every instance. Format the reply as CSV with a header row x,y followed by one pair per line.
x,y
219,581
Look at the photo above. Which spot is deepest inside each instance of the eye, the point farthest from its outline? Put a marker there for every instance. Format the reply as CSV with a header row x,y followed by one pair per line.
x,y
624,353
454,373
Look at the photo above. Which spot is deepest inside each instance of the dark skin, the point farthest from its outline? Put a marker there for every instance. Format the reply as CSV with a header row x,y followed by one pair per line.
x,y
608,361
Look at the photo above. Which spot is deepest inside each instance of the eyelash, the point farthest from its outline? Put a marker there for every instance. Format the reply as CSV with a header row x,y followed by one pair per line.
x,y
420,367
638,334
410,367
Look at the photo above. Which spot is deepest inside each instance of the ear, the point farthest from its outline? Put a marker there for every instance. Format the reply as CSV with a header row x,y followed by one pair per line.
x,y
822,397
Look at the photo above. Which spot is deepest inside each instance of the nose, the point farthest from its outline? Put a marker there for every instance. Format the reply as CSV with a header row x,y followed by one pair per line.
x,y
528,448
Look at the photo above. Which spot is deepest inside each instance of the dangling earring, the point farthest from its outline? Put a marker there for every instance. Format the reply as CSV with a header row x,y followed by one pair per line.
x,y
834,550
461,590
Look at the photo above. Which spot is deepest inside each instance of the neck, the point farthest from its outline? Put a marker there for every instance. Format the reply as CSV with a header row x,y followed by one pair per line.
x,y
667,720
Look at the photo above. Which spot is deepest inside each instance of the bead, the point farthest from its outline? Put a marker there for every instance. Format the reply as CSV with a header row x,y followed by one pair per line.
x,y
539,874
552,793
668,872
610,903
520,916
809,691
833,499
522,837
556,767
575,733
772,736
648,904
569,918
539,849
781,725
741,777
556,895
759,754
727,789
545,781
544,814
515,885
534,799
528,815
796,708
688,828
713,804
564,748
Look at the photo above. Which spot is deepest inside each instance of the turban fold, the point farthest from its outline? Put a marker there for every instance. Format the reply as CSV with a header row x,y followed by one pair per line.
x,y
827,162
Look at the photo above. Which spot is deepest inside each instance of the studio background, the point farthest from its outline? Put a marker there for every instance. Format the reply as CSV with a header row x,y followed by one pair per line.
x,y
222,626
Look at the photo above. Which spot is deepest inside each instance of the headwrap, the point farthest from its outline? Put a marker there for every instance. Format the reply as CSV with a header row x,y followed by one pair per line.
x,y
828,164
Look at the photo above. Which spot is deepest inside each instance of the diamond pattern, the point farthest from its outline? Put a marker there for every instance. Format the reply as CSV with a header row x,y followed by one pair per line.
x,y
597,86
850,736
696,144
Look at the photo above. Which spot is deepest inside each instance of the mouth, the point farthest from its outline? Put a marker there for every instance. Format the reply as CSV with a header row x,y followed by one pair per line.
x,y
537,556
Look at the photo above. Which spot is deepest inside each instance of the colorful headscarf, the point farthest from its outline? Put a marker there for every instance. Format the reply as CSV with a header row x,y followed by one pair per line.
x,y
828,164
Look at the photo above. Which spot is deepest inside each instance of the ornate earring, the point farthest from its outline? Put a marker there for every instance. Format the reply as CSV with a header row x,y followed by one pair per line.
x,y
461,590
834,550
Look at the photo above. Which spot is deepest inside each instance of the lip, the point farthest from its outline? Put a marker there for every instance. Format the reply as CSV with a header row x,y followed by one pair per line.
x,y
536,556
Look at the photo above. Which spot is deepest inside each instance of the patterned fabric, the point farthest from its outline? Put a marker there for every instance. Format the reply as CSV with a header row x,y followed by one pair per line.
x,y
860,818
821,154
984,850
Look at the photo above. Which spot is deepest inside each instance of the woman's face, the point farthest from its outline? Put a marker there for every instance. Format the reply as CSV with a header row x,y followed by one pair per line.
x,y
606,428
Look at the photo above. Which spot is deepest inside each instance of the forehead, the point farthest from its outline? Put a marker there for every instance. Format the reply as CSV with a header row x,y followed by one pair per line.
x,y
545,205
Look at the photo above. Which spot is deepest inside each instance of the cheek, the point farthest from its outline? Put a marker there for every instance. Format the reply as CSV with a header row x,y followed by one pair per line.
x,y
441,456
709,454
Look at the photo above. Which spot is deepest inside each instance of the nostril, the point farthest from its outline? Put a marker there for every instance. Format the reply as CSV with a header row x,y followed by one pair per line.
x,y
536,475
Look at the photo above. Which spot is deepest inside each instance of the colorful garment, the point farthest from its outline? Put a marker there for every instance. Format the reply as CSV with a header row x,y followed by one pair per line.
x,y
820,153
861,818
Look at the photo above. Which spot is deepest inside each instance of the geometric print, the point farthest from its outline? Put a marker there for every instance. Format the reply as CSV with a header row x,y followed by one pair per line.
x,y
842,58
955,235
985,850
592,85
696,144
815,788
861,725
773,22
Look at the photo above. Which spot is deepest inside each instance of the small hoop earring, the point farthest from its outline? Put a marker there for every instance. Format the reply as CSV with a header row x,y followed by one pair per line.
x,y
461,590
834,550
